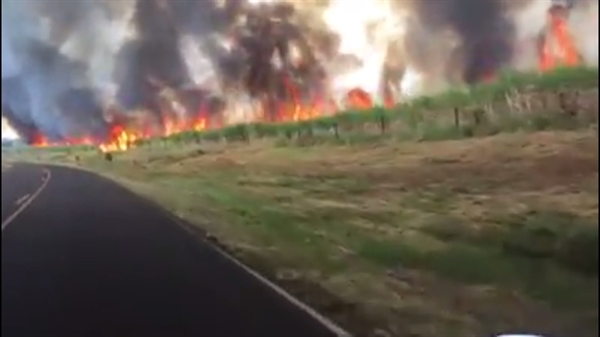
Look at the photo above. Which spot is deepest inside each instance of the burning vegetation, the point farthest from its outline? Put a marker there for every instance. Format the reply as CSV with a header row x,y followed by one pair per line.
x,y
184,65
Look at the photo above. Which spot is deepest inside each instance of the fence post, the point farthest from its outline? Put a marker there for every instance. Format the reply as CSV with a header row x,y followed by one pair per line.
x,y
336,130
382,123
456,118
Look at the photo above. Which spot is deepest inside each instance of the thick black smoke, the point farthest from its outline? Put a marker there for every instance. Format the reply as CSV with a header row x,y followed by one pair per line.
x,y
151,61
486,34
57,56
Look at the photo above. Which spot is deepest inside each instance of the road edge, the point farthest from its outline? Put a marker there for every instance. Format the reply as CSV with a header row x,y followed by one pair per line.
x,y
46,175
194,231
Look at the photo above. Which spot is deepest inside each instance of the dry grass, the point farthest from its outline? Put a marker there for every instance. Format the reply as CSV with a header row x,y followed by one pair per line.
x,y
465,238
410,239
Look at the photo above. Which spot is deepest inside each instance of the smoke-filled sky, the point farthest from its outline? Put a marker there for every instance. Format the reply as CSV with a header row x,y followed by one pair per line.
x,y
65,61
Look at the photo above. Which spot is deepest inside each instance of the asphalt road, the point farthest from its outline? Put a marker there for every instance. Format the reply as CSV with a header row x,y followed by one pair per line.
x,y
86,257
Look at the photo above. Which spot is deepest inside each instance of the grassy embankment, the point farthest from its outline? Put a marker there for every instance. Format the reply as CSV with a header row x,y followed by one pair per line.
x,y
374,220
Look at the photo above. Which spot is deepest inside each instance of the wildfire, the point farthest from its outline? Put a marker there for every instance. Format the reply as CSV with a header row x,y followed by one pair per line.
x,y
120,140
358,98
558,47
39,140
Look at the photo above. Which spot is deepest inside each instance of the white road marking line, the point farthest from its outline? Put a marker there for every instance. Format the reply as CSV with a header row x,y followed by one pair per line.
x,y
21,199
329,324
45,179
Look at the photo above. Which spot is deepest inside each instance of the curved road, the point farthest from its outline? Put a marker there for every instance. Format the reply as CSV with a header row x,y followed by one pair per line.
x,y
85,257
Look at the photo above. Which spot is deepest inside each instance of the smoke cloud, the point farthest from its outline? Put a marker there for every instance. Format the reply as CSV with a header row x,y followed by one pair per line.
x,y
65,62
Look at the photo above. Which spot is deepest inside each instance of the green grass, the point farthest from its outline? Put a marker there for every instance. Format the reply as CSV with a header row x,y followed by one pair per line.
x,y
343,203
542,259
346,216
483,109
505,105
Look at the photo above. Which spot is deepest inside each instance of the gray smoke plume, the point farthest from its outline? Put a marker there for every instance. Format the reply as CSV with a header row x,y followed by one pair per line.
x,y
38,78
65,61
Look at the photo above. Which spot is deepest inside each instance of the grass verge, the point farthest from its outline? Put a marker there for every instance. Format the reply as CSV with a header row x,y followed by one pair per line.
x,y
470,236
461,237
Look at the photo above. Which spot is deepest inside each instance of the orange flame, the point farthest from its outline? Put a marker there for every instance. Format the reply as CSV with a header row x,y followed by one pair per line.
x,y
199,124
558,47
39,140
295,110
120,140
359,99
